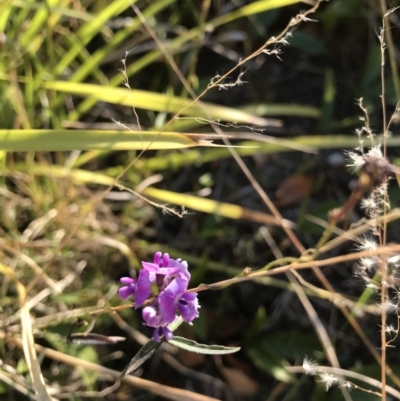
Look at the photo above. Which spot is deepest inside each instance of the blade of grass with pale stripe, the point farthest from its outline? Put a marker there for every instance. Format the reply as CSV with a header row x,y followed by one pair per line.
x,y
248,148
67,140
211,206
157,101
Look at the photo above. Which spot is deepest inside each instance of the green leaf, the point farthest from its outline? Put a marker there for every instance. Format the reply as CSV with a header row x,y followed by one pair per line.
x,y
141,357
190,345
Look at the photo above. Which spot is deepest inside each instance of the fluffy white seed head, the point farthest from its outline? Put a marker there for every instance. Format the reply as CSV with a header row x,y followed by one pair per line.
x,y
328,379
309,367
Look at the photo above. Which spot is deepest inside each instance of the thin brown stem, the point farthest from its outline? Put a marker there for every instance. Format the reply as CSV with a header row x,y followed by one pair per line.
x,y
391,48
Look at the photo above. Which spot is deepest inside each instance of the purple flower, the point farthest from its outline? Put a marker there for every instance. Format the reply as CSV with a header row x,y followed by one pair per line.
x,y
161,289
125,292
188,306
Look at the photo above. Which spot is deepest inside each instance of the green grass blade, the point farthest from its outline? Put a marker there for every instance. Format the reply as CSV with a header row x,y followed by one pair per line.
x,y
79,176
37,22
253,8
298,110
156,101
89,30
263,109
211,206
67,140
81,73
193,156
5,13
62,11
173,47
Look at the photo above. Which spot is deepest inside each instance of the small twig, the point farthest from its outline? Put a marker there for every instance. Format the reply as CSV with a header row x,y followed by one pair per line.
x,y
345,373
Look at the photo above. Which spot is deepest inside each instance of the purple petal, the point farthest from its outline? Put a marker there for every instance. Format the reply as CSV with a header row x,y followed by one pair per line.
x,y
167,308
165,260
127,280
156,335
167,333
151,267
169,298
182,266
157,258
189,296
184,273
125,292
152,318
143,288
167,271
177,287
149,314
164,330
188,307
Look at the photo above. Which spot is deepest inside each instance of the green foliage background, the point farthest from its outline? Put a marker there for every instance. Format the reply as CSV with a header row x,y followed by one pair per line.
x,y
75,183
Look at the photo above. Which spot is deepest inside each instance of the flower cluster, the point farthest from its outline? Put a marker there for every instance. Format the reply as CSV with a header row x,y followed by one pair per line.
x,y
161,288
